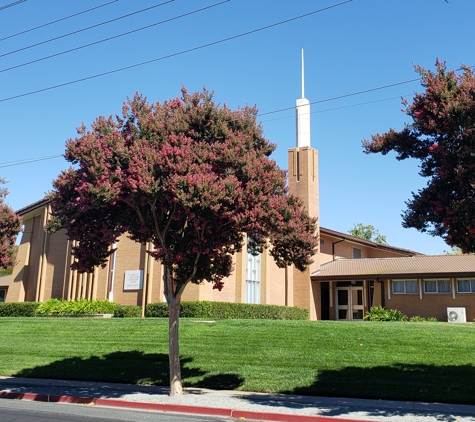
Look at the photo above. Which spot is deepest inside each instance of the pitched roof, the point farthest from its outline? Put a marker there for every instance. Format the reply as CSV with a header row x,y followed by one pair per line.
x,y
35,205
364,242
411,267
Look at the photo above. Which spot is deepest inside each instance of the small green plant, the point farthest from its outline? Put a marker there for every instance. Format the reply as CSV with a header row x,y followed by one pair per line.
x,y
417,318
432,319
378,313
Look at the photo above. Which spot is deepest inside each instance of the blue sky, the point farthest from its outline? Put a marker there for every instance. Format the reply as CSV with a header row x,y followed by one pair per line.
x,y
352,47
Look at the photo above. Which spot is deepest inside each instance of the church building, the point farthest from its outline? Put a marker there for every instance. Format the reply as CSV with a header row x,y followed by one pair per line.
x,y
349,275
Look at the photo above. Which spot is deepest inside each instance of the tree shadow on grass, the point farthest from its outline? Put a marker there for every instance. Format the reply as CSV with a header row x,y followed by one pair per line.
x,y
399,382
131,367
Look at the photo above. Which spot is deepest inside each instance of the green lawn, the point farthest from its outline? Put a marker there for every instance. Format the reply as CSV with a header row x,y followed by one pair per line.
x,y
400,361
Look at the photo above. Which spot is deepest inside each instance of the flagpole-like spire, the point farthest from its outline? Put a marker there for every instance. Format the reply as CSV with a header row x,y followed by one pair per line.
x,y
302,110
303,77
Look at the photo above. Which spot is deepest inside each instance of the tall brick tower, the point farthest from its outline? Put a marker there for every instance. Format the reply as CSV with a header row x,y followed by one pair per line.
x,y
303,182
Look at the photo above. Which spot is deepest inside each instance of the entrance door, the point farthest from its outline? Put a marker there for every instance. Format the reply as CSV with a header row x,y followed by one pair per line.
x,y
349,303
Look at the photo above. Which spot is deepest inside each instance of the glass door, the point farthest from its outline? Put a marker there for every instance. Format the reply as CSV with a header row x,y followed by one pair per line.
x,y
349,303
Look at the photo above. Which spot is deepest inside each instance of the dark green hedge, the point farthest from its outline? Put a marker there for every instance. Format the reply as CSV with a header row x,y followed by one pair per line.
x,y
18,309
127,311
227,310
196,309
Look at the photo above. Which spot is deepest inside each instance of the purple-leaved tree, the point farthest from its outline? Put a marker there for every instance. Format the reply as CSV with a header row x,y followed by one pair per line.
x,y
10,226
442,137
192,178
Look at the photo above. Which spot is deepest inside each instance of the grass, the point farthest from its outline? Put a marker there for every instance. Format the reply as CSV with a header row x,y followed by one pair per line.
x,y
398,361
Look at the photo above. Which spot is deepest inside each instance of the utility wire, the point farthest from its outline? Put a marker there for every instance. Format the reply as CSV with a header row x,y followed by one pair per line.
x,y
16,3
27,161
175,54
344,96
57,20
85,29
113,37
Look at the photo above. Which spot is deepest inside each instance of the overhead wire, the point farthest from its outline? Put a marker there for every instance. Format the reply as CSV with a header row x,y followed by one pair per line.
x,y
87,28
114,37
15,3
57,20
27,161
175,54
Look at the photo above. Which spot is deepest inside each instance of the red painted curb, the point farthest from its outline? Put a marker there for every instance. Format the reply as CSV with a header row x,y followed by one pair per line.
x,y
179,408
285,417
176,408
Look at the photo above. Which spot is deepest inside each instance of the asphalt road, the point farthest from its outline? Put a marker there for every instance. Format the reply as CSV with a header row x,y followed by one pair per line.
x,y
27,411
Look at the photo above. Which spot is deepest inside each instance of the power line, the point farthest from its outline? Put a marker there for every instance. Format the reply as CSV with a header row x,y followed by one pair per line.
x,y
113,37
16,3
57,20
27,161
174,54
85,29
339,108
345,95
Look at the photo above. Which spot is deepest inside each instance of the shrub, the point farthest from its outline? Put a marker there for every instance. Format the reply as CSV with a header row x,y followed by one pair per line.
x,y
127,311
228,310
76,307
417,318
378,313
18,309
432,319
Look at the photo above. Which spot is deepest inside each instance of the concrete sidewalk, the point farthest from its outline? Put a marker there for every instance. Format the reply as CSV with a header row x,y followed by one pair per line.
x,y
234,404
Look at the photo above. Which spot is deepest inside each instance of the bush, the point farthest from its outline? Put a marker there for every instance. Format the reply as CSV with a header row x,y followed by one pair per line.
x,y
417,318
228,310
18,309
127,311
76,307
378,313
432,319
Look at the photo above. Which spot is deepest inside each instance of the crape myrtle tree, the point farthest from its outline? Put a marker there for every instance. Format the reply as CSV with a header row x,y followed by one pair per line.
x,y
10,226
442,137
190,177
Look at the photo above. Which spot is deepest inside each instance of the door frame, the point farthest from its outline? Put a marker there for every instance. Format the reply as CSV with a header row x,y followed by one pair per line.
x,y
350,307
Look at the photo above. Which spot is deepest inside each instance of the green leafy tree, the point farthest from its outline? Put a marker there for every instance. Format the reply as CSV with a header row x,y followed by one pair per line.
x,y
442,137
10,226
188,176
368,232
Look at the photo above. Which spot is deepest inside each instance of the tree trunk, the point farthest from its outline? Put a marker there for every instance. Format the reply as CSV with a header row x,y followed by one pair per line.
x,y
176,387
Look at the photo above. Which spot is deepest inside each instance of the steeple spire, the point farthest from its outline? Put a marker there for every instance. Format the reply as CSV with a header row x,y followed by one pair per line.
x,y
303,77
303,116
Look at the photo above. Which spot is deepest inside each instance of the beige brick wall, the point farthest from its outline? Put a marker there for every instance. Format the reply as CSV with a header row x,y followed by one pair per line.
x,y
431,304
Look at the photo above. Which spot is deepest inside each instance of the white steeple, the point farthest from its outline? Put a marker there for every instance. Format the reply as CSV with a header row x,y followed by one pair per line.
x,y
303,116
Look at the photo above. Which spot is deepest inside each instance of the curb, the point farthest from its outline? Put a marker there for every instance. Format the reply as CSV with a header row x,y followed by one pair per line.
x,y
176,408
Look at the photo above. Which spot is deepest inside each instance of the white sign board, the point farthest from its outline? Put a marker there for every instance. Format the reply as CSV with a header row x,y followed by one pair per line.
x,y
133,280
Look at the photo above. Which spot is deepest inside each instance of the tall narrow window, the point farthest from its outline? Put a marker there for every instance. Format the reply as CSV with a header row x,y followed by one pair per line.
x,y
356,253
253,277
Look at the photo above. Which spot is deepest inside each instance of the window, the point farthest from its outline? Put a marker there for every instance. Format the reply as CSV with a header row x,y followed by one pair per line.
x,y
356,253
466,286
436,286
3,294
322,242
253,277
405,286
